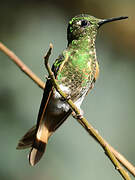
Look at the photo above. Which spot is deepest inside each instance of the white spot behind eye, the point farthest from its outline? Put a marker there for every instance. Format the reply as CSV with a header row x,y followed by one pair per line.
x,y
79,23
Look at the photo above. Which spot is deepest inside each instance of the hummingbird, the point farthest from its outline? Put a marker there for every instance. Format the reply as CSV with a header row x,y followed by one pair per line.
x,y
76,76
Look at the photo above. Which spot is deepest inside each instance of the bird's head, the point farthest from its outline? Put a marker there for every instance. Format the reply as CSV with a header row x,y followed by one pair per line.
x,y
85,25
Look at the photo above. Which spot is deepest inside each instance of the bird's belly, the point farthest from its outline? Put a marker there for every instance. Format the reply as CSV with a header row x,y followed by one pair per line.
x,y
57,106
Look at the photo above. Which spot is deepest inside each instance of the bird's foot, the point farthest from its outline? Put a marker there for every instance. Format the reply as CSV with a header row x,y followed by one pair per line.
x,y
66,98
48,78
78,116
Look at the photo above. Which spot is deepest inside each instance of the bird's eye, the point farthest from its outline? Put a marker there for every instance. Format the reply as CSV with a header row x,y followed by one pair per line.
x,y
84,23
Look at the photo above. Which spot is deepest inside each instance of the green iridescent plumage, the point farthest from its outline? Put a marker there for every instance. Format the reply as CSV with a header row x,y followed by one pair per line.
x,y
77,71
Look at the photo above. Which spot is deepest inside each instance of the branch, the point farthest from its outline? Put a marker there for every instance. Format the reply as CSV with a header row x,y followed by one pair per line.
x,y
84,122
122,160
22,66
41,84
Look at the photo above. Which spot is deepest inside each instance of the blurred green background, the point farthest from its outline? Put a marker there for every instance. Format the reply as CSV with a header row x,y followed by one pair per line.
x,y
27,27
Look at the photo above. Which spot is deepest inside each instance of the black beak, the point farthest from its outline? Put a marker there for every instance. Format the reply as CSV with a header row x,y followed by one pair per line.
x,y
111,19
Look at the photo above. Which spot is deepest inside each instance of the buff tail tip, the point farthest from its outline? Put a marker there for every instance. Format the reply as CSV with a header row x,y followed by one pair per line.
x,y
36,154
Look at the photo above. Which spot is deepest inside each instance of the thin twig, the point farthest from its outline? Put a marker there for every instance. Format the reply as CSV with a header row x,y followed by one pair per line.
x,y
17,61
22,66
84,122
122,160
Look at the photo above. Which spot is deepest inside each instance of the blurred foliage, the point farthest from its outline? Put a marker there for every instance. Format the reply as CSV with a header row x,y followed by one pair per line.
x,y
27,27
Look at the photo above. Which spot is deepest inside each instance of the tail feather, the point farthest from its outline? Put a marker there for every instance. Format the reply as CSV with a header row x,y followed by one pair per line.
x,y
36,153
27,140
37,140
39,145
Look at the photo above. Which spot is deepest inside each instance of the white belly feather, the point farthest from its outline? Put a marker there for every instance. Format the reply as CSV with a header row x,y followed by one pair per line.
x,y
59,105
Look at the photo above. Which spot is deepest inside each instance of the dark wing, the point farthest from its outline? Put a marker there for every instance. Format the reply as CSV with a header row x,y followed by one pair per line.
x,y
48,90
46,96
27,140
